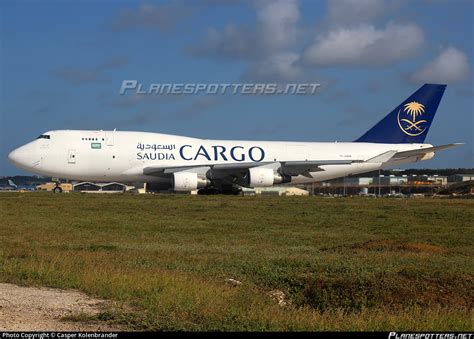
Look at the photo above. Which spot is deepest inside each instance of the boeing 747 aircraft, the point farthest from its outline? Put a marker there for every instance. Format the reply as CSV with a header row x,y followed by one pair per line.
x,y
184,164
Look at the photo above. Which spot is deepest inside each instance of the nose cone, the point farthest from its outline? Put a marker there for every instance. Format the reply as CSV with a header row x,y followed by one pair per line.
x,y
15,156
22,157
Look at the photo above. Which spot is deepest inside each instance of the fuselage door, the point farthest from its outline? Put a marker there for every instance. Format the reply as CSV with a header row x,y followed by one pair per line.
x,y
109,138
71,158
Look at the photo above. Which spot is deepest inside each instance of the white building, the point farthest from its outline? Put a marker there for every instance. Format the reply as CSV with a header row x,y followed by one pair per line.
x,y
390,180
354,181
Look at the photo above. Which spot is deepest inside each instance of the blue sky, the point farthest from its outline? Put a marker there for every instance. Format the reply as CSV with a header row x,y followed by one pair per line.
x,y
63,62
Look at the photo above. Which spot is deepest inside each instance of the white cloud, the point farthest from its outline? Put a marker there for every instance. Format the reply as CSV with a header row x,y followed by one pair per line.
x,y
355,11
274,47
365,44
450,66
279,68
266,46
277,20
275,31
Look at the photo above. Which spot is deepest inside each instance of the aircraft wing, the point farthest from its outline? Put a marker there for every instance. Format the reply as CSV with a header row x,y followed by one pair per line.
x,y
219,170
294,168
286,167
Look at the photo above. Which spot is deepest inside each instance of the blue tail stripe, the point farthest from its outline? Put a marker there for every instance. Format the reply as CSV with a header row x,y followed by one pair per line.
x,y
410,121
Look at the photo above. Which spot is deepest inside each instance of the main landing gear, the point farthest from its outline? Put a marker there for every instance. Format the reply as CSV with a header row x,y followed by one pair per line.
x,y
226,190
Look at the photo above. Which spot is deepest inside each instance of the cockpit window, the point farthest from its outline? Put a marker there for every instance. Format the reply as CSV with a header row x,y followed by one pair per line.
x,y
43,136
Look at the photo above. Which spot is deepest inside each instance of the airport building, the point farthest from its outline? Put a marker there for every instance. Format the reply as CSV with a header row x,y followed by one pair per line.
x,y
461,177
391,185
390,180
90,187
428,179
276,190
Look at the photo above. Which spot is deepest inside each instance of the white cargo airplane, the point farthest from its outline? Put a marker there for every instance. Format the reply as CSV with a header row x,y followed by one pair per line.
x,y
184,164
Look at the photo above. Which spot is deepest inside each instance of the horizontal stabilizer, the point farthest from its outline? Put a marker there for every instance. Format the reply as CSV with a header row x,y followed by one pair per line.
x,y
423,151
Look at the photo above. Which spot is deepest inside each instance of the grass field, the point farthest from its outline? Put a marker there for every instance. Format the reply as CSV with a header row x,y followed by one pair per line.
x,y
342,264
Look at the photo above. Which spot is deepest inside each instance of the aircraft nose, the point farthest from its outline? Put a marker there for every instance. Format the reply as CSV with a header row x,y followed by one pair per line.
x,y
14,156
21,157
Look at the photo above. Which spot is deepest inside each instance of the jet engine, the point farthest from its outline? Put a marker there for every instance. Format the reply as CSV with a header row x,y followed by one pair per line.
x,y
188,181
263,177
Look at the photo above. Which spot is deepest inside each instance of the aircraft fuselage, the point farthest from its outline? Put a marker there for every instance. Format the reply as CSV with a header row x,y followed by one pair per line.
x,y
122,156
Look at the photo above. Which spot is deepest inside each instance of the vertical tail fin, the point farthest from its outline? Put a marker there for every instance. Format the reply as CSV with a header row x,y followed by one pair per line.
x,y
410,121
11,183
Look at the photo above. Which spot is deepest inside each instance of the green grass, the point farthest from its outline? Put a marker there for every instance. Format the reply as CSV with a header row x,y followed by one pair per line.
x,y
343,264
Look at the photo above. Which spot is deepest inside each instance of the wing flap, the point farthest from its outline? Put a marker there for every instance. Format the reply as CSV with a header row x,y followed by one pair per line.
x,y
294,168
152,170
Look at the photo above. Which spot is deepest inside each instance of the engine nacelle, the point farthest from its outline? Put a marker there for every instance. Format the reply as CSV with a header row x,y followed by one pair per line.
x,y
188,181
264,177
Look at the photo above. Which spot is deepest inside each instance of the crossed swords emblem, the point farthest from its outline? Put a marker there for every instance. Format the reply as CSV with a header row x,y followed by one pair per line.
x,y
412,127
415,125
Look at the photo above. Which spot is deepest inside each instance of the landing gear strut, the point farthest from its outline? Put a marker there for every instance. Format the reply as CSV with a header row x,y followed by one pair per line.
x,y
57,188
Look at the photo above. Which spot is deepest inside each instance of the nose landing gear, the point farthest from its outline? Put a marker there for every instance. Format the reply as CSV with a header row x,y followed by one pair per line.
x,y
57,188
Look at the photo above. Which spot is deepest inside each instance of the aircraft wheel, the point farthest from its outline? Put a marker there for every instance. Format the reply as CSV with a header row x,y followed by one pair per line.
x,y
57,189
